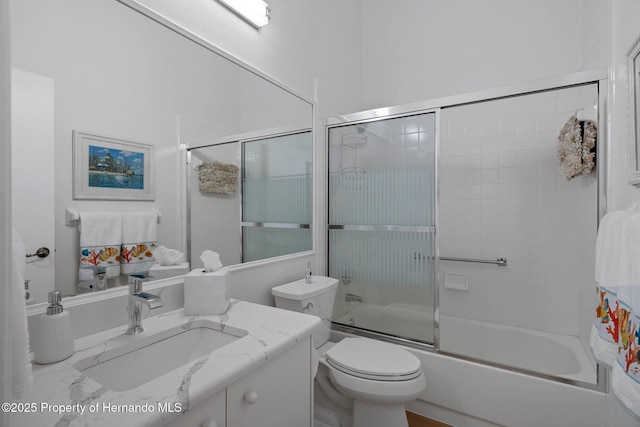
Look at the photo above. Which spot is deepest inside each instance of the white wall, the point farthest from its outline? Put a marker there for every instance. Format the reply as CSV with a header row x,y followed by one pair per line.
x,y
305,40
415,50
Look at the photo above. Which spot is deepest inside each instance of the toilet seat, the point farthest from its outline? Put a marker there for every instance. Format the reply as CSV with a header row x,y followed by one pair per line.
x,y
373,360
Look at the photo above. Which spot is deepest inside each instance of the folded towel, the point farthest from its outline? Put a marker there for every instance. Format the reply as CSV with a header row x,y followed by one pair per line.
x,y
22,376
165,256
625,381
100,241
139,239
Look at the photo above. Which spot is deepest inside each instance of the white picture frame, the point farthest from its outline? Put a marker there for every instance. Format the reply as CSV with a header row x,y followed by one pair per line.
x,y
108,168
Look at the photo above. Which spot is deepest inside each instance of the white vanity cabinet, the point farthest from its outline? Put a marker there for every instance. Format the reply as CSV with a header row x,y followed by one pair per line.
x,y
277,394
210,413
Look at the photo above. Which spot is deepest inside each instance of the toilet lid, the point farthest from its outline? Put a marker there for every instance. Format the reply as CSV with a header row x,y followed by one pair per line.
x,y
368,358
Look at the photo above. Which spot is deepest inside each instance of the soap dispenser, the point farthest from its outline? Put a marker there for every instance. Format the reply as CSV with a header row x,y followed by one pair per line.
x,y
53,340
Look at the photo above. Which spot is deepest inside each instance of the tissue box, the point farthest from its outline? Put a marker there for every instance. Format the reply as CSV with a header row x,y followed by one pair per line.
x,y
158,271
206,293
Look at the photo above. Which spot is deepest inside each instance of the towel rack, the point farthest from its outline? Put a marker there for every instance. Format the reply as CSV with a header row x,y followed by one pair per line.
x,y
72,215
500,262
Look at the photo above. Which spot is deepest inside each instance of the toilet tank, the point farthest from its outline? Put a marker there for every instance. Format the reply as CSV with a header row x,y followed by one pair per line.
x,y
315,298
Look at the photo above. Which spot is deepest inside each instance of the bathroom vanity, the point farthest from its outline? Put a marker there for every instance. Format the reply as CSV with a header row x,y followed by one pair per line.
x,y
242,368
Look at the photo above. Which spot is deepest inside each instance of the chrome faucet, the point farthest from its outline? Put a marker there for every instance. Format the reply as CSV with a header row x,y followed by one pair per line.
x,y
98,280
353,297
136,299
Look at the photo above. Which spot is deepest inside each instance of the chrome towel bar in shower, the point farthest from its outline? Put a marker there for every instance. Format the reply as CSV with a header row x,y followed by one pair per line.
x,y
500,262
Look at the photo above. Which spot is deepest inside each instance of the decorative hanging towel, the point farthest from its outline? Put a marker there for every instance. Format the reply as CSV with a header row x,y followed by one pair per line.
x,y
139,239
577,150
218,178
100,240
615,336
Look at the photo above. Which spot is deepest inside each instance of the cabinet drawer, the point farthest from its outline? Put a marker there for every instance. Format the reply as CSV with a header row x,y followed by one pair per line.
x,y
277,394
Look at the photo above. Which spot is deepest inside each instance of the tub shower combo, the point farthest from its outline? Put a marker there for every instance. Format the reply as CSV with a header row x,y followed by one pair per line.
x,y
451,228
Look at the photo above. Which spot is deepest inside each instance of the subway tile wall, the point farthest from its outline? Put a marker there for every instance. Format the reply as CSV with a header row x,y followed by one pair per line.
x,y
502,194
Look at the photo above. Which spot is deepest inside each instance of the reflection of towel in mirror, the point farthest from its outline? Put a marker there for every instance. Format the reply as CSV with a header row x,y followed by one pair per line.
x,y
165,256
139,238
218,178
100,240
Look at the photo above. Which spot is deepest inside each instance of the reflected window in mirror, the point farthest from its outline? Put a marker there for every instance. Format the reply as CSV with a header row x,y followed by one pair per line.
x,y
276,196
251,199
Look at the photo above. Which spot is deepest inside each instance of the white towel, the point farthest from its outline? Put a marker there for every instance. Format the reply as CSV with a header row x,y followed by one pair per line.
x,y
625,381
615,336
100,241
139,239
22,376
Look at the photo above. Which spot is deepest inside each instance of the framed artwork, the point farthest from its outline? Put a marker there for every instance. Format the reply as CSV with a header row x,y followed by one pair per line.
x,y
633,81
106,168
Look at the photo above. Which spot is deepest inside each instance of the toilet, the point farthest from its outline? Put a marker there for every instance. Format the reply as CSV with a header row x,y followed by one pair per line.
x,y
380,377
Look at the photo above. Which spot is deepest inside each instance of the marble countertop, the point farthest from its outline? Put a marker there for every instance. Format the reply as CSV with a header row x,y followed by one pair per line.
x,y
84,402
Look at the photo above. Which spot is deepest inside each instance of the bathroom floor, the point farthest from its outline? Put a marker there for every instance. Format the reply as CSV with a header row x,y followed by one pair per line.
x,y
416,420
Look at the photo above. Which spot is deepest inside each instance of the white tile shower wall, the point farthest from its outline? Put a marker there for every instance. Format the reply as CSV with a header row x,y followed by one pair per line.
x,y
502,195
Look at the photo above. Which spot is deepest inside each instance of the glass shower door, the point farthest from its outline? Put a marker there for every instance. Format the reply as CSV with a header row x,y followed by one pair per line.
x,y
381,225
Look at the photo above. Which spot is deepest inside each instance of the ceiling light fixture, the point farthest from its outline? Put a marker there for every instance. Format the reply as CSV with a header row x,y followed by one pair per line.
x,y
256,12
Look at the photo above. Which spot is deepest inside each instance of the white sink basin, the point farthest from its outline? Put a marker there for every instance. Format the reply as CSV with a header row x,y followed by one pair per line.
x,y
132,364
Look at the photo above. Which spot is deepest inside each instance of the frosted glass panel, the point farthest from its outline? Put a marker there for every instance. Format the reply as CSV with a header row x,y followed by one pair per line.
x,y
398,197
278,199
276,196
383,258
381,225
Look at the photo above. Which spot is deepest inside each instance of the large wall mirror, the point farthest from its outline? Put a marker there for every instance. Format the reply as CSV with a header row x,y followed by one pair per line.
x,y
103,67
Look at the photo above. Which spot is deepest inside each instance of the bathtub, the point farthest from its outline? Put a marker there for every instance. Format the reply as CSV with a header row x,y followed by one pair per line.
x,y
554,355
559,356
466,393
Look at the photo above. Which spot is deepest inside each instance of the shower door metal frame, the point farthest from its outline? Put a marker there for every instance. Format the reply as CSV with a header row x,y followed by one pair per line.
x,y
390,227
599,77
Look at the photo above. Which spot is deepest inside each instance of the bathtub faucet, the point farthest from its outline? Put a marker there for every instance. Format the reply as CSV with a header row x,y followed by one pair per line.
x,y
354,297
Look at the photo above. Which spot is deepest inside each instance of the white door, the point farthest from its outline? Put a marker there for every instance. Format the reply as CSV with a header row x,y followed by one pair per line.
x,y
32,174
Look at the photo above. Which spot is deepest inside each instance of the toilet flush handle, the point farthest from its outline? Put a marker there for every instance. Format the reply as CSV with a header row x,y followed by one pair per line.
x,y
309,306
250,397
